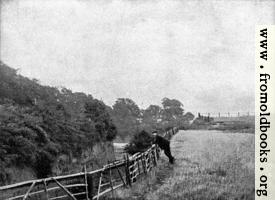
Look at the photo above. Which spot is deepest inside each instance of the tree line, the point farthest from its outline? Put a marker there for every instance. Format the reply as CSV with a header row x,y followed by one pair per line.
x,y
130,119
38,123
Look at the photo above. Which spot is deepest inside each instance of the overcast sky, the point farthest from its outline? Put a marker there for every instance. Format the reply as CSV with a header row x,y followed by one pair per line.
x,y
199,52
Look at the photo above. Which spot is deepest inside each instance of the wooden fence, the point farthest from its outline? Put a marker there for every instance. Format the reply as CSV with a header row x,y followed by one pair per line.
x,y
87,185
226,114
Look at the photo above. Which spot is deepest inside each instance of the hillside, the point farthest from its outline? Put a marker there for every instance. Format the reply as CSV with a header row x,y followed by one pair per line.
x,y
42,125
51,131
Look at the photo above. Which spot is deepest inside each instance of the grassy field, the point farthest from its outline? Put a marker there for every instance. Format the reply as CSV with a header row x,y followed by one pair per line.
x,y
210,165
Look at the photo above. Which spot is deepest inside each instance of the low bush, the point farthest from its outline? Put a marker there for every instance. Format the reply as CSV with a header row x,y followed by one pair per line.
x,y
140,142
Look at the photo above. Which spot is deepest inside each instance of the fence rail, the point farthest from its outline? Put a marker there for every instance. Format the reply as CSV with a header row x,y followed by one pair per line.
x,y
226,114
87,185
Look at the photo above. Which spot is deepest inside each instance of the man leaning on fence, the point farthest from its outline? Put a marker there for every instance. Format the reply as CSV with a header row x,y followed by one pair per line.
x,y
164,145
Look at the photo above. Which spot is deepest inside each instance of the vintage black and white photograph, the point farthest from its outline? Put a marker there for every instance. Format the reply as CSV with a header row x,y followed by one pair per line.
x,y
129,99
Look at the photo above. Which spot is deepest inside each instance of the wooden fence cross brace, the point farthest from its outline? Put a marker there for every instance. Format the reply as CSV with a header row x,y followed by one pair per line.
x,y
138,164
86,182
99,185
29,190
121,177
65,190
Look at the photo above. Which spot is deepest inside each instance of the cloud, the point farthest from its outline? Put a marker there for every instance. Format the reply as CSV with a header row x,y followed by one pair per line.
x,y
201,53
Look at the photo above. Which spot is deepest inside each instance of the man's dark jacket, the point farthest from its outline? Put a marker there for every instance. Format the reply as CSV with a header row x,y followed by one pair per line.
x,y
161,142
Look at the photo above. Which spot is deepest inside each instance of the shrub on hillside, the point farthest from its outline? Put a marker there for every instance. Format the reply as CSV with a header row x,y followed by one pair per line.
x,y
43,164
38,123
140,142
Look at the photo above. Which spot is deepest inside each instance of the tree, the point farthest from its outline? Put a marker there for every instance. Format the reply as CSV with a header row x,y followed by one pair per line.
x,y
172,111
188,117
152,116
96,112
126,115
152,112
39,123
126,107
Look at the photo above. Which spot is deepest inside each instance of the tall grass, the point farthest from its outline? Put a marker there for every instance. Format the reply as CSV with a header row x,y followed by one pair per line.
x,y
146,184
210,165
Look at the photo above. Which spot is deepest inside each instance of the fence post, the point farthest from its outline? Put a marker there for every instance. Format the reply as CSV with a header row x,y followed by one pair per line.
x,y
128,168
155,156
138,166
127,173
149,160
90,186
110,179
86,182
157,151
46,189
144,163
